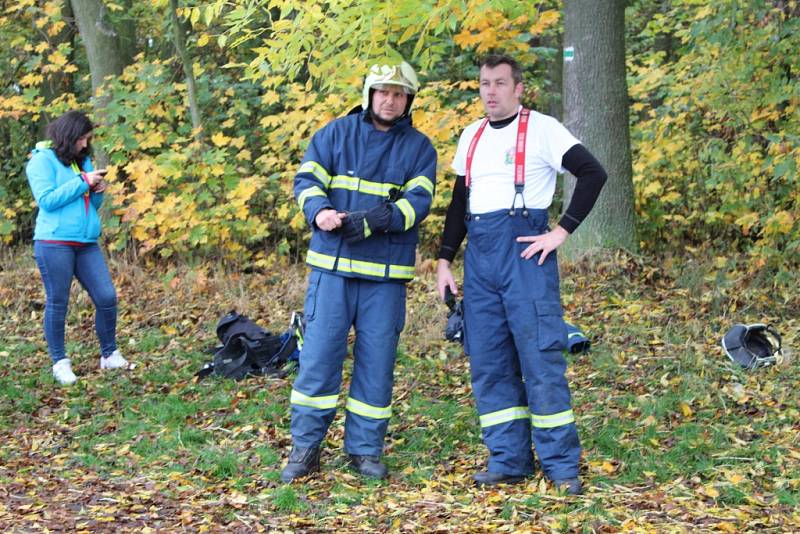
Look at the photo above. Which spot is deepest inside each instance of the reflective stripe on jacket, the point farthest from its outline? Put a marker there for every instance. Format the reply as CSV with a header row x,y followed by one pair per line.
x,y
352,166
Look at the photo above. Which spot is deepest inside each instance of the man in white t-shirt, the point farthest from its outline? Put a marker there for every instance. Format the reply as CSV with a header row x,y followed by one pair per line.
x,y
506,166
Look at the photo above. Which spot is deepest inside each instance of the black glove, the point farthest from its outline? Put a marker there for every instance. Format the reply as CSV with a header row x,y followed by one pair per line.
x,y
379,218
455,319
353,228
449,298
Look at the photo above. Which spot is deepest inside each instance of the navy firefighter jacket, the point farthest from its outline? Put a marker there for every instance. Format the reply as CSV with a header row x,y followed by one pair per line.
x,y
352,166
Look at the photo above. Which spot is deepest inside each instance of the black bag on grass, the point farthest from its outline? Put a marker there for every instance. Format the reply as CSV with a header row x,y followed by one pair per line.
x,y
248,349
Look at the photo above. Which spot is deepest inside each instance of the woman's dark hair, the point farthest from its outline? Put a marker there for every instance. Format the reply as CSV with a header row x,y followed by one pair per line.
x,y
65,132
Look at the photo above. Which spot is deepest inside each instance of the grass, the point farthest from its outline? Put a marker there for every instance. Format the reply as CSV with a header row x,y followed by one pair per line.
x,y
674,438
285,499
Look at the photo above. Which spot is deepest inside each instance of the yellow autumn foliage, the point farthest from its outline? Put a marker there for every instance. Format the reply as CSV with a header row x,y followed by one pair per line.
x,y
714,120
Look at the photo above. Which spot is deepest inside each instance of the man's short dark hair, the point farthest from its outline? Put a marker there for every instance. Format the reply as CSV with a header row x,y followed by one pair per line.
x,y
65,132
493,60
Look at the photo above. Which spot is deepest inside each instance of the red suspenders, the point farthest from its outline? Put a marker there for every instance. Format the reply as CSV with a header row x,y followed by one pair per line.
x,y
519,158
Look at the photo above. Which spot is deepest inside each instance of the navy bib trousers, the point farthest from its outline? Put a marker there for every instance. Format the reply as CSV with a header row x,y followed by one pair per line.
x,y
514,336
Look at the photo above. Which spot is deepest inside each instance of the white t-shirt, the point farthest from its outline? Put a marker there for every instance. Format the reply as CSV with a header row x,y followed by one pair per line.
x,y
492,180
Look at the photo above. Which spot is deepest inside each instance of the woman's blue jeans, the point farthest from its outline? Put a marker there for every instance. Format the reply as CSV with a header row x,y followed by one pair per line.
x,y
57,265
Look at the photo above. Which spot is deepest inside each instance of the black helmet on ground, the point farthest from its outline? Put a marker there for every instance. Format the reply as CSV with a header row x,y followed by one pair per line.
x,y
752,345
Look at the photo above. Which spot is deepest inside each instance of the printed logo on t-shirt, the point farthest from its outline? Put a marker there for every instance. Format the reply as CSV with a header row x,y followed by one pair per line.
x,y
509,159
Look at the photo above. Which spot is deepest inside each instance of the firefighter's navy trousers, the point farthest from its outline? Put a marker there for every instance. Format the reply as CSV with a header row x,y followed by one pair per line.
x,y
514,335
334,304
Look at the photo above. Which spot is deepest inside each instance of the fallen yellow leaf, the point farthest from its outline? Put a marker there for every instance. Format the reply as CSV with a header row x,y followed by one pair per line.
x,y
734,478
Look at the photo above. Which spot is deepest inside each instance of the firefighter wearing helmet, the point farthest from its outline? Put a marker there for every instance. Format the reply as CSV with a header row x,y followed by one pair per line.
x,y
365,184
401,77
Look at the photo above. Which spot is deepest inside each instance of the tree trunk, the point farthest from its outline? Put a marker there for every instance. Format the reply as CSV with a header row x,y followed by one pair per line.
x,y
109,47
180,45
596,112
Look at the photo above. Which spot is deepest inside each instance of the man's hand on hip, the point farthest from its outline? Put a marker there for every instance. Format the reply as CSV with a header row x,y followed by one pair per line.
x,y
544,243
328,219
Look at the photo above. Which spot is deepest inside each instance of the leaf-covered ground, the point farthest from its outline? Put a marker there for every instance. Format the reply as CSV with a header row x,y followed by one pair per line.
x,y
675,438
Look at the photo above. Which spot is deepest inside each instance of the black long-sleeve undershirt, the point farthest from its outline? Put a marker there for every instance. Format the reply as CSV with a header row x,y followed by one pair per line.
x,y
455,227
588,172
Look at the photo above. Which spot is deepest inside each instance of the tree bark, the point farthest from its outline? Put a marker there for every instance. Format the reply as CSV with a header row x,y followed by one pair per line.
x,y
186,61
596,112
109,46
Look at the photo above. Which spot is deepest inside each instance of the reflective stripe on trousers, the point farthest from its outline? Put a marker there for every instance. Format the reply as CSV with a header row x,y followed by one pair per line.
x,y
334,304
514,335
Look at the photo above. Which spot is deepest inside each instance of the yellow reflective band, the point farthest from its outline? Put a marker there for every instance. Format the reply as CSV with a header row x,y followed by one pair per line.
x,y
316,169
321,403
346,265
573,334
401,271
375,188
504,416
362,408
354,183
551,421
345,182
320,260
420,181
312,191
408,212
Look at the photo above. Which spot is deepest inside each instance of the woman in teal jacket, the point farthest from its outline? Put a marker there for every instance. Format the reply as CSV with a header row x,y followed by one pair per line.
x,y
69,191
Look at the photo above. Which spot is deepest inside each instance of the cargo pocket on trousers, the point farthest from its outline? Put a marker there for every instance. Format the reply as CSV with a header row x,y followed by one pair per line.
x,y
310,304
550,325
400,320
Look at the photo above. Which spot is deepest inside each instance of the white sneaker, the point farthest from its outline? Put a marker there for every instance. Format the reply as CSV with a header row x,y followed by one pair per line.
x,y
62,372
115,361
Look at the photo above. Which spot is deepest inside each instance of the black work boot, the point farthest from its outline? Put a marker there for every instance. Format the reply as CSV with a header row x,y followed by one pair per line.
x,y
302,461
369,466
488,478
572,486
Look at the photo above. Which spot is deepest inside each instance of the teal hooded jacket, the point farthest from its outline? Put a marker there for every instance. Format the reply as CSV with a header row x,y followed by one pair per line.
x,y
65,213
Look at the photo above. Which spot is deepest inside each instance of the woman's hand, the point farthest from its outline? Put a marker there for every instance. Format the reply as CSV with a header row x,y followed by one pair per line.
x,y
99,186
97,183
